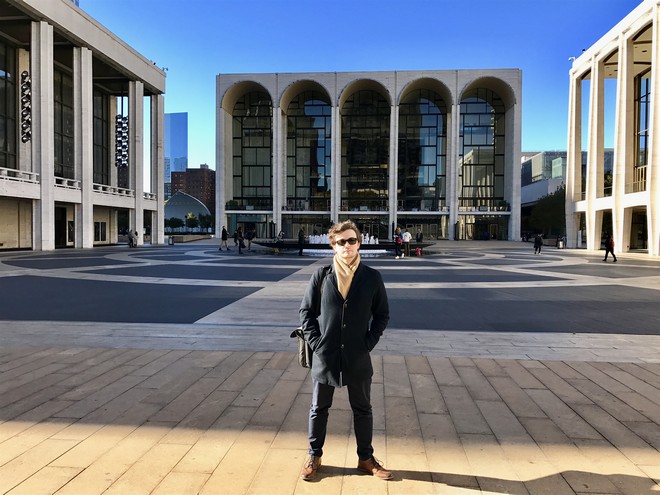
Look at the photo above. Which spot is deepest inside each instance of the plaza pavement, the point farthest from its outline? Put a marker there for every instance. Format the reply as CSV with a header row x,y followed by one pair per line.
x,y
169,370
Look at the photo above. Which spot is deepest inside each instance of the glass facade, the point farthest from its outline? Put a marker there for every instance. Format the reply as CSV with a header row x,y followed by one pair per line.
x,y
365,152
101,137
642,114
345,150
7,106
422,168
176,147
481,150
64,147
309,145
252,152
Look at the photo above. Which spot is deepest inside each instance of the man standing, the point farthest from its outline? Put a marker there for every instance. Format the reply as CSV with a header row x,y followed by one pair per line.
x,y
407,237
301,241
343,314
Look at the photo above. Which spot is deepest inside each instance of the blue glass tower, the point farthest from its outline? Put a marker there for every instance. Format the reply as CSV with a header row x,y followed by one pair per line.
x,y
176,147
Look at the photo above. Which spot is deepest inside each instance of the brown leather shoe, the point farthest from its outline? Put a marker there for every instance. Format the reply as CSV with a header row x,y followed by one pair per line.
x,y
310,468
372,466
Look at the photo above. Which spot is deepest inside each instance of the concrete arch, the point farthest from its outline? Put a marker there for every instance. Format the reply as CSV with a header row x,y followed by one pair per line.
x,y
642,41
363,85
497,85
238,90
430,84
294,89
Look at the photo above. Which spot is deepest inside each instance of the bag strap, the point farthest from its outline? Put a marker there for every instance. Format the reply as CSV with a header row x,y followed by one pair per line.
x,y
325,271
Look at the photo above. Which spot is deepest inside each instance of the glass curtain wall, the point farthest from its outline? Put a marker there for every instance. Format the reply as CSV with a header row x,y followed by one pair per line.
x,y
642,114
63,91
309,144
422,152
365,152
7,106
481,149
252,145
101,137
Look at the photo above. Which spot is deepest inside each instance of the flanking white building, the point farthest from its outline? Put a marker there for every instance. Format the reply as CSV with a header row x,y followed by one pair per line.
x,y
624,198
432,151
72,131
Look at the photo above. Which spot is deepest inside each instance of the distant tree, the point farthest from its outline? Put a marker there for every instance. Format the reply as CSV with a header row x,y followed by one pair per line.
x,y
206,221
191,221
173,223
548,214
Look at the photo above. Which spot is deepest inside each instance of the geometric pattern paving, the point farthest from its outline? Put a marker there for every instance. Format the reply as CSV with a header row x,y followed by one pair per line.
x,y
209,399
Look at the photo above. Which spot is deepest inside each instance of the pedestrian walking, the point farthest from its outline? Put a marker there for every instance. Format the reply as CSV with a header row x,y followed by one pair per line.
x,y
538,244
343,314
240,240
609,246
224,235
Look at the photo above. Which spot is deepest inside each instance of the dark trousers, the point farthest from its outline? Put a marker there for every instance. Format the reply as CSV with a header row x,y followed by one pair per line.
x,y
608,251
359,396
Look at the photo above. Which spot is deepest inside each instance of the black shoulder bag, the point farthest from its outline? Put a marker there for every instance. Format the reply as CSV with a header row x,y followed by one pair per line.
x,y
305,353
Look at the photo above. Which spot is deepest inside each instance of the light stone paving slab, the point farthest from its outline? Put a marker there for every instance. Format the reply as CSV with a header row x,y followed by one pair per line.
x,y
500,428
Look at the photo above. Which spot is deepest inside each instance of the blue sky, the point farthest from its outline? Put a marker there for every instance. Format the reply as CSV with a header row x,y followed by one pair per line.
x,y
198,39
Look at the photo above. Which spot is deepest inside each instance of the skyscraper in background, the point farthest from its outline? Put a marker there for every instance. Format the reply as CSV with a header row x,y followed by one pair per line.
x,y
176,147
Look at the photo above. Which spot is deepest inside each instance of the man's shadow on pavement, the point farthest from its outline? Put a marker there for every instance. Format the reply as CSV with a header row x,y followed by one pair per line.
x,y
566,482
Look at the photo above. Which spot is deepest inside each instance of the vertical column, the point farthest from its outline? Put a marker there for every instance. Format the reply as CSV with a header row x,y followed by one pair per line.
x,y
83,142
453,166
158,167
595,156
279,169
43,142
136,154
653,168
573,159
221,164
394,164
336,163
622,143
512,167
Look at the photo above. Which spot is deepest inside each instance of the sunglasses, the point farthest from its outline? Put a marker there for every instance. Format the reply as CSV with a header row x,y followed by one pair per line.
x,y
351,241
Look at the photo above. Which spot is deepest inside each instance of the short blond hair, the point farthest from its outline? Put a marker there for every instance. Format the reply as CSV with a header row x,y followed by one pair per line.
x,y
340,227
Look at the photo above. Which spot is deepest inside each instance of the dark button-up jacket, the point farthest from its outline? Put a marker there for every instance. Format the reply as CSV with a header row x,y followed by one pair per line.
x,y
343,332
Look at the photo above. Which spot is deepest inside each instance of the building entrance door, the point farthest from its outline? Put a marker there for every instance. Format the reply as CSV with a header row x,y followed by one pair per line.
x,y
638,230
60,227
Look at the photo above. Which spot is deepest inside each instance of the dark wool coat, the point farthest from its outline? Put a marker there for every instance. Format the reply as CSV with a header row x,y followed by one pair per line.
x,y
344,331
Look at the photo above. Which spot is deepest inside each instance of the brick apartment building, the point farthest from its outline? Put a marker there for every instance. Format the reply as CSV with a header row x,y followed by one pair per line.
x,y
198,182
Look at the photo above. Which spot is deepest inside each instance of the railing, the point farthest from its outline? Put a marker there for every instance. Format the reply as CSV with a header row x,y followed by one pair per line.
x,y
150,196
638,183
67,183
113,190
18,175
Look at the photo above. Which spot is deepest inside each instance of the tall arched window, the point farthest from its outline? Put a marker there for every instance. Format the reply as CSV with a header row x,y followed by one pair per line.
x,y
308,171
7,106
101,138
252,145
365,151
481,149
64,147
422,173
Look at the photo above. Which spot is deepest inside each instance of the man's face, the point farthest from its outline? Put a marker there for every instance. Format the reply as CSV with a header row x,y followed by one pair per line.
x,y
348,251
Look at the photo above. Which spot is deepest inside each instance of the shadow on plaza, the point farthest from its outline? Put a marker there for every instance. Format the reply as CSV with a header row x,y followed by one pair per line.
x,y
566,482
